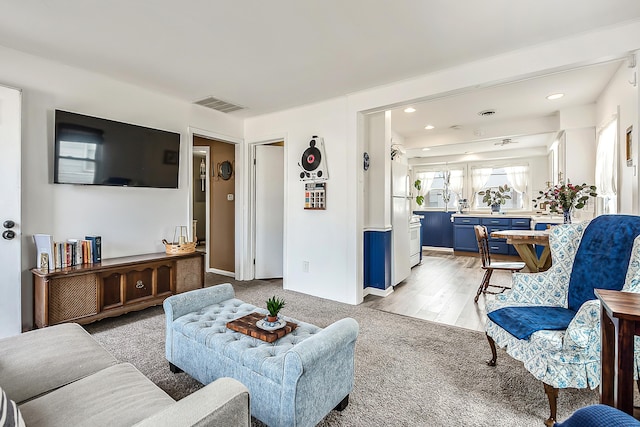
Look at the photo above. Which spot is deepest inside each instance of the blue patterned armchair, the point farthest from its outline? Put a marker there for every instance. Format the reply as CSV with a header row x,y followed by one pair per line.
x,y
550,321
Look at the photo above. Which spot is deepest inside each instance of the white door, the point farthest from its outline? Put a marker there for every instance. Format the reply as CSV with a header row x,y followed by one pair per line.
x,y
269,211
10,250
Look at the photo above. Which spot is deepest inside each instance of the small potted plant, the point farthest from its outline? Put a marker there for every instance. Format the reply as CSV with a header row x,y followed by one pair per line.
x,y
496,197
274,305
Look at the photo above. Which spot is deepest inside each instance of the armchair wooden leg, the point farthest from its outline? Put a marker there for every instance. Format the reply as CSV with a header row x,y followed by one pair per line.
x,y
494,354
552,395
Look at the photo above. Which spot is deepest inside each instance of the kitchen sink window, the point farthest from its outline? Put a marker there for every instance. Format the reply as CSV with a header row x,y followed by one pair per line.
x,y
441,188
516,177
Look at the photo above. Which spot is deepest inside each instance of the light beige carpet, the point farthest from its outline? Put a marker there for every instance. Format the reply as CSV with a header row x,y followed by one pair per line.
x,y
409,372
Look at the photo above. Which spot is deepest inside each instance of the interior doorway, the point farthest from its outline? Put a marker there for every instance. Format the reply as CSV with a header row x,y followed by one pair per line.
x,y
268,210
213,202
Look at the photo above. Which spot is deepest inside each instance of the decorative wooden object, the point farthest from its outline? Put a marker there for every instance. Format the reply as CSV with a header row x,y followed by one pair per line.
x,y
247,325
183,248
619,323
90,292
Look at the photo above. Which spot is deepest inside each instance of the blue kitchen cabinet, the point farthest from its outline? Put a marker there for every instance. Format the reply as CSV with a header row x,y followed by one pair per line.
x,y
464,236
437,229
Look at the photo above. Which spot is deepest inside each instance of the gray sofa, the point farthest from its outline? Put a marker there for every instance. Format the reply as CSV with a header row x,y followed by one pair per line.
x,y
294,381
61,376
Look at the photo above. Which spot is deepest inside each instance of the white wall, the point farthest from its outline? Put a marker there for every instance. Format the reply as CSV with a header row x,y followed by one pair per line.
x,y
619,94
130,220
343,119
320,237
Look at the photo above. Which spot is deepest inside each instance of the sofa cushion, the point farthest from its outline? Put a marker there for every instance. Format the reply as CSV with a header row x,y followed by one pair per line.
x,y
521,322
208,327
42,360
10,415
116,396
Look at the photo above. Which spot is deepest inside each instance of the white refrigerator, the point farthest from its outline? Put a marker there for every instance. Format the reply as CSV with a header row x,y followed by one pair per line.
x,y
400,218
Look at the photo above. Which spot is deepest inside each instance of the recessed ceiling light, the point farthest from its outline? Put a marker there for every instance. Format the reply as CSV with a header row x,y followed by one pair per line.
x,y
429,127
426,149
555,96
409,110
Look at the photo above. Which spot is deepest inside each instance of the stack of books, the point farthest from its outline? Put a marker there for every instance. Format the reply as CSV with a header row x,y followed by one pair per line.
x,y
51,255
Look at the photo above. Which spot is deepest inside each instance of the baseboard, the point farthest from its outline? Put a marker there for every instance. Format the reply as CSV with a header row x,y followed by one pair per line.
x,y
377,292
221,272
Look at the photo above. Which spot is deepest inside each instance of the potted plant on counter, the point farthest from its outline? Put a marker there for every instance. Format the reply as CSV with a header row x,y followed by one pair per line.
x,y
495,197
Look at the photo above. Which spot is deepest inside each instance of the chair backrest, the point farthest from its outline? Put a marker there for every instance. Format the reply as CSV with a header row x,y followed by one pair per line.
x,y
602,259
483,244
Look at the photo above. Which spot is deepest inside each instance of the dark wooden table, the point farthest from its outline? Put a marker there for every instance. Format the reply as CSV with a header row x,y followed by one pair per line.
x,y
524,241
619,323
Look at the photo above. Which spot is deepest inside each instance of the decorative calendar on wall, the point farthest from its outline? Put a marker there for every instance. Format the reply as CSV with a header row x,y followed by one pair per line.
x,y
315,195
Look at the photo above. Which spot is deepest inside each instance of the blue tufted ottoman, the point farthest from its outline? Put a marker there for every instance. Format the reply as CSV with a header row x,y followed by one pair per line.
x,y
295,381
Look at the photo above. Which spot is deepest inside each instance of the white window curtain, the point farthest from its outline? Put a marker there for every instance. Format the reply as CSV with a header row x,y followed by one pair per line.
x,y
456,180
479,177
518,177
426,179
606,167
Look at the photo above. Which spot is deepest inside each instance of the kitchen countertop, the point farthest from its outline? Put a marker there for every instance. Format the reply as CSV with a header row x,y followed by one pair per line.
x,y
535,217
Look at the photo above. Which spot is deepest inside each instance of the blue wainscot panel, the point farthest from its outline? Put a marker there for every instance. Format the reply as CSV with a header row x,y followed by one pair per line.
x,y
377,259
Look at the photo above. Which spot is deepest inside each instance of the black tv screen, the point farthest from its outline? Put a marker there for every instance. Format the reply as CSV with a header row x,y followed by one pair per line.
x,y
94,151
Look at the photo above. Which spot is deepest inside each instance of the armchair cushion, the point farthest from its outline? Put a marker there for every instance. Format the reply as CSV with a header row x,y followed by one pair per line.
x,y
521,322
602,259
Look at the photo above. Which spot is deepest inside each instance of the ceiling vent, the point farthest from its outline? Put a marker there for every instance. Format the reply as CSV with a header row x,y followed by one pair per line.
x,y
218,104
487,113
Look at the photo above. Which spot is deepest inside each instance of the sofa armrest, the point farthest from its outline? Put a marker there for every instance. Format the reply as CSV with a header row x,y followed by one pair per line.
x,y
187,302
584,329
224,402
319,372
329,340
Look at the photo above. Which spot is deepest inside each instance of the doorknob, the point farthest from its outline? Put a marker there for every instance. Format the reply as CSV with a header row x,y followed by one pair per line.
x,y
8,234
8,224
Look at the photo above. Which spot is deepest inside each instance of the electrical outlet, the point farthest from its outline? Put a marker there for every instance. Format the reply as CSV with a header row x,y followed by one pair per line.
x,y
305,266
230,197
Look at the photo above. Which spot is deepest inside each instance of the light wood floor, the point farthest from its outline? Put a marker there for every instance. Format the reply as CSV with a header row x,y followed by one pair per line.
x,y
441,289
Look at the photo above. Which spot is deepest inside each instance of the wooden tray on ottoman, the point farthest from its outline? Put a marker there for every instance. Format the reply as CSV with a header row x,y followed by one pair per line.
x,y
247,325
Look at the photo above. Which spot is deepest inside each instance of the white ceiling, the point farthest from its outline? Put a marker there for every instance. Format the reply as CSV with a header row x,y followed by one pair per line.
x,y
523,114
272,55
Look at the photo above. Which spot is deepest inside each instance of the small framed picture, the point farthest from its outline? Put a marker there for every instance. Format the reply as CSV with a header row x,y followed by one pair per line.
x,y
629,146
170,157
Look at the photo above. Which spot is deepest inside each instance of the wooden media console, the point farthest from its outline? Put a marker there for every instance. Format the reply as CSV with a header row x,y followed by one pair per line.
x,y
90,292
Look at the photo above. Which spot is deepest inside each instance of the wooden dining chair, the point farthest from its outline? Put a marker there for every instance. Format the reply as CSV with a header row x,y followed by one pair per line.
x,y
488,266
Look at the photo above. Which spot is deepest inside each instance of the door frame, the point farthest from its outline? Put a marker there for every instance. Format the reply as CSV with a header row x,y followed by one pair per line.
x,y
251,198
239,263
15,286
207,197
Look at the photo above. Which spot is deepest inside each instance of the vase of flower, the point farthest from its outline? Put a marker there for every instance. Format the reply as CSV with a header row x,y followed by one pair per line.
x,y
565,198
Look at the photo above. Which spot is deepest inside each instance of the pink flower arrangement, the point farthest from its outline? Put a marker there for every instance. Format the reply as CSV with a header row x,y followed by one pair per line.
x,y
565,197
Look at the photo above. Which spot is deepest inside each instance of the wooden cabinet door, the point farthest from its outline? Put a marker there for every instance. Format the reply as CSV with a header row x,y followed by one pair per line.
x,y
164,279
110,290
139,284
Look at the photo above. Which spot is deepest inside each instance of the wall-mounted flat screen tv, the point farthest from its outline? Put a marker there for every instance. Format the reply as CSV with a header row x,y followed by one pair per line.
x,y
94,151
